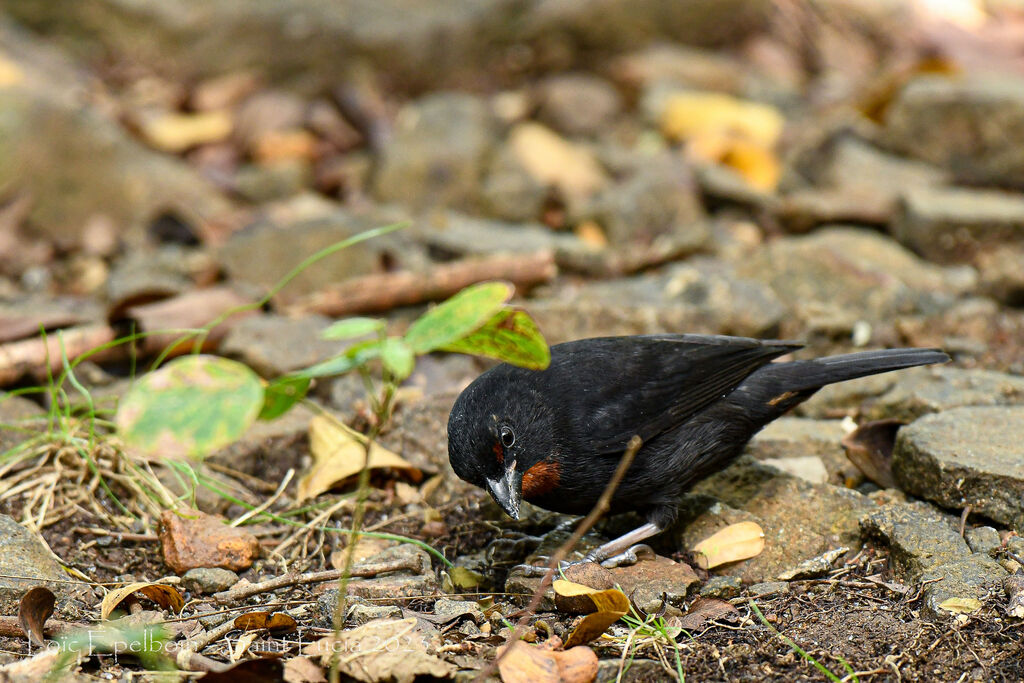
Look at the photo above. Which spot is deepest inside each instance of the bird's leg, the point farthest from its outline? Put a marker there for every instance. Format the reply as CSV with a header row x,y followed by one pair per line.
x,y
619,549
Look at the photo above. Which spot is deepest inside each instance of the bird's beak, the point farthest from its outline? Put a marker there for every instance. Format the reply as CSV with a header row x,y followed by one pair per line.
x,y
507,491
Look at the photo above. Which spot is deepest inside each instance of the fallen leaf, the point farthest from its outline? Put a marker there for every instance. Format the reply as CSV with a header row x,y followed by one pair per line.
x,y
10,72
172,132
166,596
701,611
525,663
552,160
338,454
35,608
694,115
269,669
733,543
382,650
961,605
463,579
303,670
510,336
870,447
591,234
284,145
602,607
276,622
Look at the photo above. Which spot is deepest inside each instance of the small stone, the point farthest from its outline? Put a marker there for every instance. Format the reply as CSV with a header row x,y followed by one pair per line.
x,y
436,155
191,539
577,103
983,539
205,580
654,585
920,391
972,126
267,182
393,590
952,225
809,468
810,449
445,607
724,587
814,567
919,537
965,581
24,555
273,345
767,589
359,613
966,457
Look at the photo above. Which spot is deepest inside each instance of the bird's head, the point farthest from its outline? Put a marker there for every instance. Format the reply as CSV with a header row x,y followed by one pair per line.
x,y
501,438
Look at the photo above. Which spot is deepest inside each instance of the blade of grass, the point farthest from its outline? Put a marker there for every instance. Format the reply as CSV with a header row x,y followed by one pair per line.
x,y
796,648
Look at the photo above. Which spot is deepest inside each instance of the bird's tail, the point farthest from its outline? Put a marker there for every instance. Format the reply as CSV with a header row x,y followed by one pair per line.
x,y
810,375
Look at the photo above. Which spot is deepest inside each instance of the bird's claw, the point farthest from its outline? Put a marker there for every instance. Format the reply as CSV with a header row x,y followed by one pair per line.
x,y
630,556
534,570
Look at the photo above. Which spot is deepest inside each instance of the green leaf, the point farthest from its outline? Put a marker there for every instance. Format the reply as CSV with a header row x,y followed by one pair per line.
x,y
353,327
510,336
280,395
354,356
457,317
397,357
190,407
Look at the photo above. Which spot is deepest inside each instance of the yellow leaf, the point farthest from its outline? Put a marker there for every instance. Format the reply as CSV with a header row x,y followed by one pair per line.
x,y
10,72
605,607
554,161
733,543
166,596
690,115
338,453
178,132
961,605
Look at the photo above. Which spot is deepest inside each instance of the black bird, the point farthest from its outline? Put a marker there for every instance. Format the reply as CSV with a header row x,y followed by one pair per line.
x,y
555,437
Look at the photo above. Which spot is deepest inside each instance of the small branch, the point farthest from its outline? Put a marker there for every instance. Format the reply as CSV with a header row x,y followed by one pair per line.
x,y
37,355
245,589
385,291
599,509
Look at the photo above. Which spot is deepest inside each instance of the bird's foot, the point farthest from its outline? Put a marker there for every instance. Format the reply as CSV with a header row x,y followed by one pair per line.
x,y
630,556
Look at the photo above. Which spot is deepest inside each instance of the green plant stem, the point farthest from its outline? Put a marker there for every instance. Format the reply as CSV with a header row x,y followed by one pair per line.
x,y
799,650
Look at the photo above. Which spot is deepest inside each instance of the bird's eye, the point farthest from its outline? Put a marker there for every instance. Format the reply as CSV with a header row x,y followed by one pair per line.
x,y
508,437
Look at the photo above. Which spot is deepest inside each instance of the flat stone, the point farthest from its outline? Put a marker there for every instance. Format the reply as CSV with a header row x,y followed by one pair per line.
x,y
960,583
810,449
767,589
845,398
437,153
22,554
779,503
919,537
954,225
983,539
966,457
445,607
273,345
803,210
577,103
359,613
972,126
853,164
655,585
452,233
723,587
837,277
920,391
204,580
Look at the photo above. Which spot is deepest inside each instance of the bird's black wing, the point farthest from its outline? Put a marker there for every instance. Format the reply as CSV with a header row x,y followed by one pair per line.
x,y
626,386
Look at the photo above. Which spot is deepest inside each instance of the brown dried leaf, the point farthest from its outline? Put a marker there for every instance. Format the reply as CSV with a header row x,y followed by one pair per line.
x,y
166,596
303,670
704,610
35,608
524,663
276,622
870,446
733,543
268,669
174,132
338,455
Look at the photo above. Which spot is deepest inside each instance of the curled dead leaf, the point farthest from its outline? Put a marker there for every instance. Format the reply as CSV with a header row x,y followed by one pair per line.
x,y
602,607
733,543
702,611
166,596
276,622
338,454
961,605
35,608
525,663
870,447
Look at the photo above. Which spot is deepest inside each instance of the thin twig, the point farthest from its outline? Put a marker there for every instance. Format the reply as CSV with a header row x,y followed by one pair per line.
x,y
269,501
599,509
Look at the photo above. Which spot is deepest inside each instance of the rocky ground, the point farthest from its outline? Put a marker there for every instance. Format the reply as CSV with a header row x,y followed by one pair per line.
x,y
845,173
